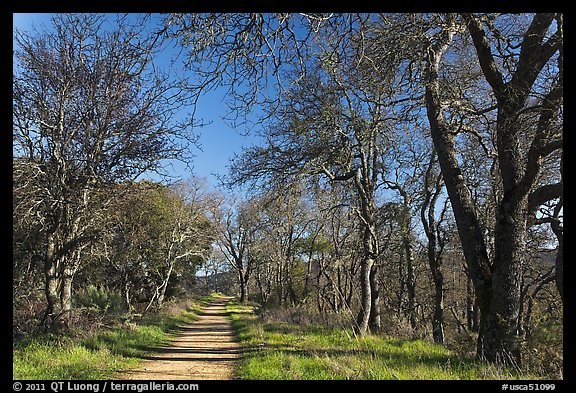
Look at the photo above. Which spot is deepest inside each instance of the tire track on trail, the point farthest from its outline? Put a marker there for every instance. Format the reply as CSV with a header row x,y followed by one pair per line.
x,y
203,349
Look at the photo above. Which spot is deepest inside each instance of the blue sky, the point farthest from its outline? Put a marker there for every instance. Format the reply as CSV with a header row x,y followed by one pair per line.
x,y
218,140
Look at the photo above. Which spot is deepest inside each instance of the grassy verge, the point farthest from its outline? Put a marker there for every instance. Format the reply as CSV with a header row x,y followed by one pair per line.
x,y
101,354
281,350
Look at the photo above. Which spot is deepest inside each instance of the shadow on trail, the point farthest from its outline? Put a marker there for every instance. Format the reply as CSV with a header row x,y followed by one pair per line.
x,y
192,350
190,359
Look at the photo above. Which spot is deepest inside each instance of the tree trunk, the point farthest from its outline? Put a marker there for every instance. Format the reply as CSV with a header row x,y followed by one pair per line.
x,y
409,255
263,287
401,289
52,286
53,309
292,293
339,291
126,285
160,298
438,319
162,289
126,288
519,170
559,278
559,275
438,278
350,291
243,287
499,339
469,229
411,286
472,313
374,322
362,321
435,261
369,252
66,297
280,283
154,296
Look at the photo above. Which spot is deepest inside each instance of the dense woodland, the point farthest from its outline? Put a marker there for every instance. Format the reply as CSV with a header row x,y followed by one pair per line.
x,y
408,181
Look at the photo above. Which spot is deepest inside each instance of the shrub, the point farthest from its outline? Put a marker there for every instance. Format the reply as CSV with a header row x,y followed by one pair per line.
x,y
27,313
306,316
543,349
100,299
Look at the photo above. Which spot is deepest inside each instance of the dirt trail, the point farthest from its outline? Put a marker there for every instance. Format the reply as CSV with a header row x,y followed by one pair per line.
x,y
204,349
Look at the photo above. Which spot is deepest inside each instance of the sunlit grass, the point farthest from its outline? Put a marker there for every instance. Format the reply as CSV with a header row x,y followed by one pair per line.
x,y
287,351
48,358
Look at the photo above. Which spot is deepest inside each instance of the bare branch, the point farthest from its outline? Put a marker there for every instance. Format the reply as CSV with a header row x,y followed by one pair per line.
x,y
487,63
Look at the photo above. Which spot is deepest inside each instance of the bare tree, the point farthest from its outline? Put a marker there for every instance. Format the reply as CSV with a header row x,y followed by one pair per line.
x,y
238,229
89,109
520,149
433,185
342,81
337,247
305,142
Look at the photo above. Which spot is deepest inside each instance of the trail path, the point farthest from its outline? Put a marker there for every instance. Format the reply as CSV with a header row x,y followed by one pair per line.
x,y
204,349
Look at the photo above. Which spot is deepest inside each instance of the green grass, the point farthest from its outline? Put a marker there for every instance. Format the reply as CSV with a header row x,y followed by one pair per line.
x,y
99,355
286,351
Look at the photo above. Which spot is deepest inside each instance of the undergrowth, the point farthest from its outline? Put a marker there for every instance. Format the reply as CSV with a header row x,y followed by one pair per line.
x,y
77,354
288,350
